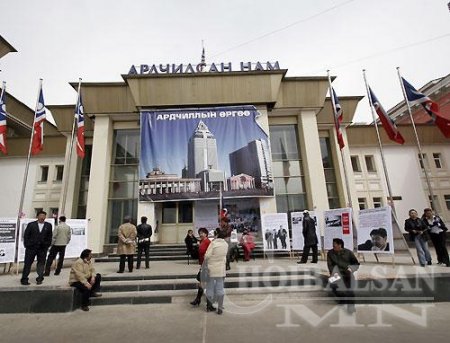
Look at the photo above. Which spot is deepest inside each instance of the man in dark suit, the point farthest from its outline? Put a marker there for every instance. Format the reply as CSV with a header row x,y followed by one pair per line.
x,y
37,239
144,232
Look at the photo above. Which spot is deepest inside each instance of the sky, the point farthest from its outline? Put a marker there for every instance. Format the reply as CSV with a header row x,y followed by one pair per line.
x,y
62,41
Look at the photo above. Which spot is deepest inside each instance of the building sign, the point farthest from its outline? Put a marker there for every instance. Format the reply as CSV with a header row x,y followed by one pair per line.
x,y
173,68
194,153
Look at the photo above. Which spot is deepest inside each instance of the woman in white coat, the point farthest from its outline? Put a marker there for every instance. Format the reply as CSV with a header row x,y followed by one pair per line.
x,y
216,258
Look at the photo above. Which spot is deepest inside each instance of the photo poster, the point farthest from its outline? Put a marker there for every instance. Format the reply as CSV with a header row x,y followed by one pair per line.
x,y
375,231
7,239
338,224
298,241
78,240
275,232
188,154
206,215
23,225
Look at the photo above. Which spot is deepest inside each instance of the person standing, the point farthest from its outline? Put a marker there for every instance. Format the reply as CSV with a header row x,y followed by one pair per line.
x,y
310,238
37,239
126,246
215,259
83,277
418,234
282,233
61,237
268,237
342,263
437,234
204,244
144,232
275,237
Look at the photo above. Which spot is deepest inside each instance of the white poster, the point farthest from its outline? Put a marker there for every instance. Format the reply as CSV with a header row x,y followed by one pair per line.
x,y
375,231
78,241
298,241
23,225
338,224
7,239
275,231
206,215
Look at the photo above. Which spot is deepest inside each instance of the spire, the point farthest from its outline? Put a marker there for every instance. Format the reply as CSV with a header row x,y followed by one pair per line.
x,y
203,58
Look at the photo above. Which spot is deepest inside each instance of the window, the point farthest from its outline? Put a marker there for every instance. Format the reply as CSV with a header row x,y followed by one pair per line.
x,y
370,164
36,210
422,160
169,213
435,204
355,163
185,212
377,202
287,169
447,201
362,203
437,160
44,174
330,176
54,212
59,173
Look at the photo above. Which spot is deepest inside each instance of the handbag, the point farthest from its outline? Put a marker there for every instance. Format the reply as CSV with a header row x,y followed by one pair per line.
x,y
204,273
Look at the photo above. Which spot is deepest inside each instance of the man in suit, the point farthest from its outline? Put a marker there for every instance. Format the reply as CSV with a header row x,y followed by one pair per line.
x,y
37,239
61,237
126,246
144,232
310,237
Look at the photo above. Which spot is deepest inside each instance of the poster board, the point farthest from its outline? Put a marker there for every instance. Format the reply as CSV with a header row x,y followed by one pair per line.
x,y
275,232
338,224
7,239
375,231
298,241
78,241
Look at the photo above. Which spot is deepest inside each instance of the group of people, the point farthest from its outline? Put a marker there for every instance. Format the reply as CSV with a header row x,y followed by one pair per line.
x,y
272,237
421,230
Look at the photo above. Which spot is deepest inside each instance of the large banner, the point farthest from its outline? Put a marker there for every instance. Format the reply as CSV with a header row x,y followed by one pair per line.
x,y
78,240
298,241
375,231
192,153
338,224
275,232
23,225
7,239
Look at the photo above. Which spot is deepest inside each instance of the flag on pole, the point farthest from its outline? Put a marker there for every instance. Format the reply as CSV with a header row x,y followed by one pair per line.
x,y
38,126
338,114
3,127
79,117
388,124
430,107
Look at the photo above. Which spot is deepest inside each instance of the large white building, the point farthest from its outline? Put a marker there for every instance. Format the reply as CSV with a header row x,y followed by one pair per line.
x,y
307,169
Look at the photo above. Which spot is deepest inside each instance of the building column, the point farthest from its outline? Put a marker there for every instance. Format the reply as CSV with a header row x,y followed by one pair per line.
x,y
315,184
97,204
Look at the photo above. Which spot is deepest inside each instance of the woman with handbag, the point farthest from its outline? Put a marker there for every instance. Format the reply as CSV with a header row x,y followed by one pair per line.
x,y
216,258
204,244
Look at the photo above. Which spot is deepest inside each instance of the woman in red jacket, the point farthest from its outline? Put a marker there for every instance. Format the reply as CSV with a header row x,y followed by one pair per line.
x,y
204,243
248,244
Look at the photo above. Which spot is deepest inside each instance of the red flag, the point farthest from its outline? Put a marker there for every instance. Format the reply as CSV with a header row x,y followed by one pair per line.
x,y
38,127
339,115
79,114
430,107
386,121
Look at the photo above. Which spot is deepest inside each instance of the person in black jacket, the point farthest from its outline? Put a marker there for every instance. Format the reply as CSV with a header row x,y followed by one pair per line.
x,y
418,233
191,244
310,236
144,232
437,235
37,239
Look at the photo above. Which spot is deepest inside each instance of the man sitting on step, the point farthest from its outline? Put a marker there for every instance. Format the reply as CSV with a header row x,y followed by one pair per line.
x,y
83,277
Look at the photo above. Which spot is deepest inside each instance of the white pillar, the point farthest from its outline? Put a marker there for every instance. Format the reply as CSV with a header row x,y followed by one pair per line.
x,y
312,161
97,204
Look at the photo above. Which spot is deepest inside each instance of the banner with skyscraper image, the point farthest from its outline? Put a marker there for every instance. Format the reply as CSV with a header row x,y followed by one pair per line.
x,y
189,154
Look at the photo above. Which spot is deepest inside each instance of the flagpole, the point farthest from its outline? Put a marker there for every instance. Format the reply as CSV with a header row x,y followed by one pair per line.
x,y
417,142
383,161
67,169
349,198
3,89
25,177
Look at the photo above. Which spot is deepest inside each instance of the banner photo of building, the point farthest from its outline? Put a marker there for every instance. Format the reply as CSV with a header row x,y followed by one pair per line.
x,y
338,224
190,154
7,239
298,241
23,225
275,232
78,240
375,231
